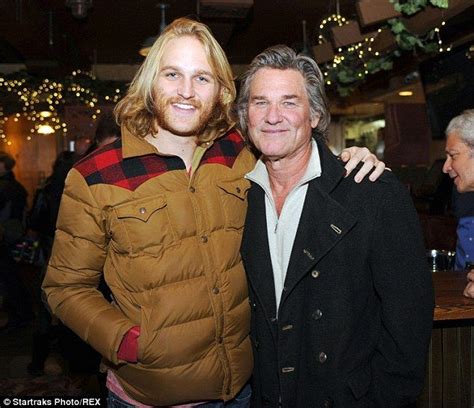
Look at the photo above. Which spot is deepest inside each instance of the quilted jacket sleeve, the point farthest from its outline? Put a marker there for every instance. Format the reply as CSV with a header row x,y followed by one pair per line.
x,y
75,268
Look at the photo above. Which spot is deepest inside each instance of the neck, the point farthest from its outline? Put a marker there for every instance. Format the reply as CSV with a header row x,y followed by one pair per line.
x,y
284,174
171,144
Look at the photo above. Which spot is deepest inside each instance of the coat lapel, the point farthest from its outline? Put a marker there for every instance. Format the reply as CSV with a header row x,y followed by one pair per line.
x,y
324,222
256,253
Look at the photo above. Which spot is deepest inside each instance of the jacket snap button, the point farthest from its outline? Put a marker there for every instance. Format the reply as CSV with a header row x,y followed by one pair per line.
x,y
227,391
220,340
142,210
285,370
204,238
215,290
192,189
315,274
317,314
322,357
238,190
287,327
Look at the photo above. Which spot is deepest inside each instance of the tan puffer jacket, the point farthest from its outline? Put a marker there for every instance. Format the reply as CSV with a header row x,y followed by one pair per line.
x,y
168,246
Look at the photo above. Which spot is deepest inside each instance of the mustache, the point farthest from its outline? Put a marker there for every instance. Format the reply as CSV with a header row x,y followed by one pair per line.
x,y
193,102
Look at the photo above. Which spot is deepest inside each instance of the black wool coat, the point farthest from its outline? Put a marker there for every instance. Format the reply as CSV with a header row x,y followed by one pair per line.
x,y
355,317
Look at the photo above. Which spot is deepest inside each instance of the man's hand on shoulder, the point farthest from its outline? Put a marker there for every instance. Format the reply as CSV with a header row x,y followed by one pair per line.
x,y
469,289
352,156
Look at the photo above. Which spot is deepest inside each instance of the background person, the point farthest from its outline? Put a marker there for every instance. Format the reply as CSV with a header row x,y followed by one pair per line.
x,y
12,216
460,167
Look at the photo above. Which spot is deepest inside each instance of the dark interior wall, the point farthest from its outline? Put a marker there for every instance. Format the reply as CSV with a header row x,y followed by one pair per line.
x,y
407,135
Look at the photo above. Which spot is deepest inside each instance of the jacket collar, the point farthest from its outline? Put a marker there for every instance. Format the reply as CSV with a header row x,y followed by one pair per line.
x,y
134,146
324,222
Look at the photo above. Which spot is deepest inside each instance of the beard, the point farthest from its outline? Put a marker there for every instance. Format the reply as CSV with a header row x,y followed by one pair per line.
x,y
171,121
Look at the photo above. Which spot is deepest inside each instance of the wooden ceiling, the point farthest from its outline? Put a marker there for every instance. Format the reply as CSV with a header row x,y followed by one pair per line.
x,y
43,34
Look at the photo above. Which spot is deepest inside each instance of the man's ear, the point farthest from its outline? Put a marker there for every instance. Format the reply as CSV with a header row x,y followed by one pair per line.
x,y
315,120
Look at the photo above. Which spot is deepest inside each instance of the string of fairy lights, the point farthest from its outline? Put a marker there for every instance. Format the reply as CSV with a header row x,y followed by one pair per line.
x,y
352,64
42,101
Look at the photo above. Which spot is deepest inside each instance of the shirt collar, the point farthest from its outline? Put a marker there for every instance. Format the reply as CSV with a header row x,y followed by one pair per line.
x,y
259,174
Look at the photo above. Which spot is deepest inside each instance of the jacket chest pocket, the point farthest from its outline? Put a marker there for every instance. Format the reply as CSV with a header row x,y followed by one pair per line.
x,y
142,225
233,197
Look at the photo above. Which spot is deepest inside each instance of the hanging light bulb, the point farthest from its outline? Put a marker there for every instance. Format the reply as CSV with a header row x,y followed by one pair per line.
x,y
79,8
148,43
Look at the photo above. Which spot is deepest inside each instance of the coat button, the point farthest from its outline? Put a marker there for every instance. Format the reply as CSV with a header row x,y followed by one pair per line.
x,y
287,327
238,190
286,370
204,239
328,403
273,319
315,274
142,210
192,189
317,314
322,357
220,340
215,290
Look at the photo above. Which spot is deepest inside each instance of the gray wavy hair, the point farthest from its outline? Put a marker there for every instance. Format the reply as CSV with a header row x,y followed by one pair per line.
x,y
463,126
283,57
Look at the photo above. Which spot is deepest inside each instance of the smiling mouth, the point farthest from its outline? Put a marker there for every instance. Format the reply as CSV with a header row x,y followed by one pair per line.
x,y
184,106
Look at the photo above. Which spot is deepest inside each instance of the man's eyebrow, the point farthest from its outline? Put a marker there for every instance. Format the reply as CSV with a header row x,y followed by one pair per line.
x,y
173,68
284,97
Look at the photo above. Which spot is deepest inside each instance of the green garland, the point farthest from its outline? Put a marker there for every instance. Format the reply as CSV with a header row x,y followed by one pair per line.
x,y
41,100
351,69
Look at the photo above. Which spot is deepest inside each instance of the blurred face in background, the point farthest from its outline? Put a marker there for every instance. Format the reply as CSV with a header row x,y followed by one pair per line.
x,y
81,145
459,163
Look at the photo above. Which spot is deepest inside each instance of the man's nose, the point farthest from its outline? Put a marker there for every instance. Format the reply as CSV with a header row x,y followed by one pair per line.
x,y
273,114
447,165
186,88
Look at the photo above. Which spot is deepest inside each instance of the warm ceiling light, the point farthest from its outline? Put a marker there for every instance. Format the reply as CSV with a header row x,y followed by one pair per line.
x,y
45,114
79,8
405,93
148,43
45,130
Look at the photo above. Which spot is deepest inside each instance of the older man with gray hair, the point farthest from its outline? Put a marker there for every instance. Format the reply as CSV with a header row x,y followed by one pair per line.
x,y
340,291
460,167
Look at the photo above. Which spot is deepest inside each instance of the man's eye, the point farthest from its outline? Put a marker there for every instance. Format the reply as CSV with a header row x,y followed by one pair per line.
x,y
203,79
289,103
260,103
171,75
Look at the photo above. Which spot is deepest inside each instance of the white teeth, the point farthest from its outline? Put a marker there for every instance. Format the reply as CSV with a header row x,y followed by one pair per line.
x,y
183,106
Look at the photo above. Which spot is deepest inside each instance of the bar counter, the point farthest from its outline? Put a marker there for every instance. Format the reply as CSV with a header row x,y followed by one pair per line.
x,y
449,381
450,304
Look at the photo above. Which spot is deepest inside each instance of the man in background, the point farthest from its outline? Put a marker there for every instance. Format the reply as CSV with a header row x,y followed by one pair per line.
x,y
12,215
460,167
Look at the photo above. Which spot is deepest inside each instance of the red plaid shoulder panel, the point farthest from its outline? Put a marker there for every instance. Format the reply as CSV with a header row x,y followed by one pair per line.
x,y
225,150
107,166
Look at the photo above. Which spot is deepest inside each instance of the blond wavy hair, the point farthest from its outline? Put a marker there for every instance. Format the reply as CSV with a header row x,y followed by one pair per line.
x,y
136,110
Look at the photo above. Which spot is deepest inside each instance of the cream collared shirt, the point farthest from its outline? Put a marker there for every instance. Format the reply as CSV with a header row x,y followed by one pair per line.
x,y
282,230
